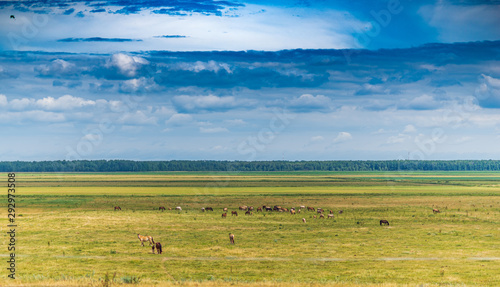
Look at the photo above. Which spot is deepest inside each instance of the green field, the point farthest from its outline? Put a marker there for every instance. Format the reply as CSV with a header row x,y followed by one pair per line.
x,y
69,235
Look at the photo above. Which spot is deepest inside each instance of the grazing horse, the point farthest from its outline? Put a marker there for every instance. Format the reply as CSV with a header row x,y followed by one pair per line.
x,y
248,212
244,207
341,211
117,208
146,238
178,208
224,209
259,209
330,215
203,209
384,222
310,208
269,209
224,215
292,211
231,238
304,220
234,213
322,216
162,208
209,208
158,248
434,210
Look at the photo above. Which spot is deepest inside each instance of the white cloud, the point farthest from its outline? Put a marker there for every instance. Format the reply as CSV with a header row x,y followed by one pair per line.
x,y
199,66
36,116
235,122
423,102
307,102
3,100
137,118
66,102
127,65
179,120
141,84
213,130
317,139
21,104
410,129
342,137
400,138
463,23
209,102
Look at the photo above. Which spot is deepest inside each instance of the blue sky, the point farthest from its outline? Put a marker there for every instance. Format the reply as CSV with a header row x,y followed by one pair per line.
x,y
249,80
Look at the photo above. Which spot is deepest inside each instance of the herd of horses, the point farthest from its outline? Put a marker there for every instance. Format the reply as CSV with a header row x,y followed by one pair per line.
x,y
248,211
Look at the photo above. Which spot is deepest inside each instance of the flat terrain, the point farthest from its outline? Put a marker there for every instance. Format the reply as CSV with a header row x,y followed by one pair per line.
x,y
69,234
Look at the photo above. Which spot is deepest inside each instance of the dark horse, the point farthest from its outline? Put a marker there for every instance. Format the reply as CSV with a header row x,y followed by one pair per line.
x,y
158,248
117,208
162,208
384,222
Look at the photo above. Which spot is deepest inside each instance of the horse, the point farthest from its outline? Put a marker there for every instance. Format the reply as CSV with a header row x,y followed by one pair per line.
x,y
231,238
322,216
162,208
292,211
244,207
224,209
145,238
234,213
310,208
209,208
248,212
341,211
330,215
259,209
384,222
117,208
434,210
178,208
203,209
304,220
224,215
158,248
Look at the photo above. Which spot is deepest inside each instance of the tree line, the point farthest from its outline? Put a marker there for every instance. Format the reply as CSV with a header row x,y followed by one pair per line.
x,y
230,166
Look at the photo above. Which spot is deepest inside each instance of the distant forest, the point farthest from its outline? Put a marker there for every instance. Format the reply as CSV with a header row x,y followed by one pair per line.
x,y
230,166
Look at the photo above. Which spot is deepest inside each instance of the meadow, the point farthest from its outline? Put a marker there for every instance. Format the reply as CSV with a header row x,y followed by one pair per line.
x,y
68,233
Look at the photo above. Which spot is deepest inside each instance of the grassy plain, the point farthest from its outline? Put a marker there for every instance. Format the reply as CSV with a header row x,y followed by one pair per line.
x,y
69,235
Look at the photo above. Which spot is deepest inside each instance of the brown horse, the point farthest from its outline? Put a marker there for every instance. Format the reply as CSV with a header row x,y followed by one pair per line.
x,y
231,238
158,248
384,222
310,208
259,209
117,208
146,238
234,213
434,210
162,208
224,215
248,212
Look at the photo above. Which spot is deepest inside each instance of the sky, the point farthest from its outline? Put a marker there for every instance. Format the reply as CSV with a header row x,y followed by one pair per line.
x,y
249,80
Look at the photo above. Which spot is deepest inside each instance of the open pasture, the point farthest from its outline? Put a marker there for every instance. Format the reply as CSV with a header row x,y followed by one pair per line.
x,y
70,234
